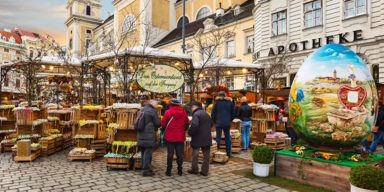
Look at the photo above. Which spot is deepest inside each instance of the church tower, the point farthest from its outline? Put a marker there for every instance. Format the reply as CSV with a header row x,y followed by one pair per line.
x,y
335,74
82,17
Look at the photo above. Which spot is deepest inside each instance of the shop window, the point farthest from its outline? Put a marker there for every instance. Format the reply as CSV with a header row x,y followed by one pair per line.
x,y
230,82
312,14
291,78
70,11
354,8
279,81
230,49
250,45
375,73
180,22
208,53
17,83
31,54
279,23
203,12
6,50
6,82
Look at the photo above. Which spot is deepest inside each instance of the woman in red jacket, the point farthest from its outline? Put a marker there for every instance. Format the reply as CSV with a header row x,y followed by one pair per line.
x,y
175,122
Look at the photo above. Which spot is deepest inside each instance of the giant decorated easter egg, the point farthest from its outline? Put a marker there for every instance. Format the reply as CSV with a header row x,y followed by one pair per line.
x,y
333,99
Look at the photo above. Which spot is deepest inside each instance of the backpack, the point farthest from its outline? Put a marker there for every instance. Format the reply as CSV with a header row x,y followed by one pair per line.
x,y
139,123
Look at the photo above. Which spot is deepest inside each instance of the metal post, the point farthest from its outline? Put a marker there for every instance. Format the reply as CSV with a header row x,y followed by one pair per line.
x,y
30,85
256,78
125,79
262,85
191,80
183,33
105,87
81,85
109,83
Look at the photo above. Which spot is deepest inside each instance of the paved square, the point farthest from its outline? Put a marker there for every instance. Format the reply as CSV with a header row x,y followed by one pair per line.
x,y
54,173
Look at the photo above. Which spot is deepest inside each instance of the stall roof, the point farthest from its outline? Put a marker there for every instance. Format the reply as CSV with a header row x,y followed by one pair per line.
x,y
138,51
52,60
226,63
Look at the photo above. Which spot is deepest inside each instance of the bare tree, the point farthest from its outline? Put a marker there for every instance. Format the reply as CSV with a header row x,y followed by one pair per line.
x,y
275,67
208,43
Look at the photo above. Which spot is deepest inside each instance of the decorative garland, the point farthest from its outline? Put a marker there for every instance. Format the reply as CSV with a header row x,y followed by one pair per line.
x,y
216,89
7,106
58,79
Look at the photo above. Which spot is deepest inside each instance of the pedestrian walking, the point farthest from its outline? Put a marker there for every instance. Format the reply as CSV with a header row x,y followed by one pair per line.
x,y
201,138
146,125
175,122
244,114
378,131
223,113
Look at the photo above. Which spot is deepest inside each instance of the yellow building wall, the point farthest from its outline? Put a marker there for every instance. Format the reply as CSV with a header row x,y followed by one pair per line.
x,y
160,14
237,2
96,11
82,32
239,38
80,7
132,8
188,11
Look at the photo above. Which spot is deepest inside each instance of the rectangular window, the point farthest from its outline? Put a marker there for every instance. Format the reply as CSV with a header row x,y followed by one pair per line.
x,y
6,50
208,53
31,54
17,83
17,52
354,8
230,82
6,82
312,14
279,23
230,48
249,44
89,31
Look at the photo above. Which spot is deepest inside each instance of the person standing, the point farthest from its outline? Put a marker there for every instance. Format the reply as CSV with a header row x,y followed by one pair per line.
x,y
223,113
245,113
146,135
175,122
288,128
200,132
378,134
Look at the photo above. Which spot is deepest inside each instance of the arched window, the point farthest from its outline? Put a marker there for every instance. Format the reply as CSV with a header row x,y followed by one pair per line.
x,y
180,22
129,24
70,43
203,12
88,10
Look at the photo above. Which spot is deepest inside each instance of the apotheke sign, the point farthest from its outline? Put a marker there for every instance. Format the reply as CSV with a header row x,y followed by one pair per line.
x,y
160,79
316,43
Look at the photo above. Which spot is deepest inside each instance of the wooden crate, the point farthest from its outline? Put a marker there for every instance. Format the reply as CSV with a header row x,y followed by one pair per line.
x,y
27,129
125,118
319,174
85,130
43,113
82,157
258,113
222,159
275,144
8,113
236,126
86,114
75,116
30,158
118,163
137,163
26,117
100,146
67,144
124,135
101,132
8,124
212,151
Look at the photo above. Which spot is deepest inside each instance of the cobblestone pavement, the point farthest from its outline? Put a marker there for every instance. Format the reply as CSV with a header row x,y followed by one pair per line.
x,y
54,173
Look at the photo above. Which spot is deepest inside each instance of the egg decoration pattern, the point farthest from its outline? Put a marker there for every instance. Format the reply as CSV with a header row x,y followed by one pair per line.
x,y
333,99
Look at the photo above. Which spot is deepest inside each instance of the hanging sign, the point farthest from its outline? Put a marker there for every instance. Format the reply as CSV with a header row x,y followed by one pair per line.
x,y
160,79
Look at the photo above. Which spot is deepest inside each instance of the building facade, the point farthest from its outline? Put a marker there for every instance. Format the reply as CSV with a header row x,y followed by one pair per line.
x,y
295,28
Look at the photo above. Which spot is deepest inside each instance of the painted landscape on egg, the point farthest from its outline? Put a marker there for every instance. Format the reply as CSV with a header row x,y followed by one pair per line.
x,y
333,99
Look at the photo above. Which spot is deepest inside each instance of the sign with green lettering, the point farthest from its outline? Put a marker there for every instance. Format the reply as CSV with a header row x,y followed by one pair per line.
x,y
160,79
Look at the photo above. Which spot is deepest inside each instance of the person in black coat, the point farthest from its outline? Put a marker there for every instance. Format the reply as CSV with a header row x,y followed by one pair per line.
x,y
200,131
379,136
146,137
244,114
223,113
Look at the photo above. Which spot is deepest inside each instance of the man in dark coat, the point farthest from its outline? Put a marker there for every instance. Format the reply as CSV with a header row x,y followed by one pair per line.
x,y
200,131
223,113
146,137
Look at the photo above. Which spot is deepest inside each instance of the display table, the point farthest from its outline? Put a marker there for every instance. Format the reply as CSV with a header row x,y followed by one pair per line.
x,y
322,173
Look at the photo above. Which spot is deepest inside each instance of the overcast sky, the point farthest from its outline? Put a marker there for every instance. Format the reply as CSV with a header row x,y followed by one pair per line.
x,y
40,16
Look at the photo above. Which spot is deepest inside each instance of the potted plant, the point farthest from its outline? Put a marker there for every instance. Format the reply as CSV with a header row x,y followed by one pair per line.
x,y
262,156
366,178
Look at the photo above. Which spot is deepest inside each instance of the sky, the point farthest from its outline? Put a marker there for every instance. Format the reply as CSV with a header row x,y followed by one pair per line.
x,y
40,16
332,57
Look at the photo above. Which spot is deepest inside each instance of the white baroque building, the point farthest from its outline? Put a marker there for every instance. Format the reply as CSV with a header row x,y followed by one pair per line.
x,y
295,28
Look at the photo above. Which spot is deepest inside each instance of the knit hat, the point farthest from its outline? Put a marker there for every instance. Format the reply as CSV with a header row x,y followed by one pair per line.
x,y
174,102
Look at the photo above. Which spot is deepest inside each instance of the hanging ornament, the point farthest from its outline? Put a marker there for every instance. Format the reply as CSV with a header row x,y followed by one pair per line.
x,y
116,61
153,63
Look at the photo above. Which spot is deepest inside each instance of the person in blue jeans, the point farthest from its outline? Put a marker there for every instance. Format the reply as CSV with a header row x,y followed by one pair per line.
x,y
379,136
222,114
244,113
